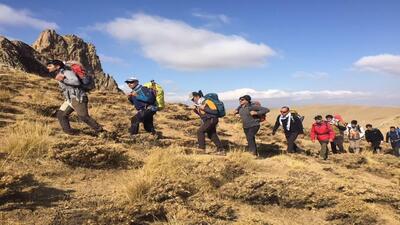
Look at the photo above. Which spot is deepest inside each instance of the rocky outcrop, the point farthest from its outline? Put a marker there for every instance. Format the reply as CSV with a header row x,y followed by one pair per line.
x,y
18,55
50,45
71,47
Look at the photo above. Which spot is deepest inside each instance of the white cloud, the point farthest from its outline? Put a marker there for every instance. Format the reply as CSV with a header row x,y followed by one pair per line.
x,y
177,45
176,97
125,88
213,17
385,63
297,95
112,59
310,75
14,17
168,82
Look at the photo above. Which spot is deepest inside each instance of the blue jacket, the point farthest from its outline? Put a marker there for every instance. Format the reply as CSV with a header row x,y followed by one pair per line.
x,y
139,105
393,137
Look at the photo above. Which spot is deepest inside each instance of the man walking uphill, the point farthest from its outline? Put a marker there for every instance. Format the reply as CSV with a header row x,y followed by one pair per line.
x,y
323,132
144,101
208,112
339,126
251,114
394,137
292,127
355,133
76,98
375,137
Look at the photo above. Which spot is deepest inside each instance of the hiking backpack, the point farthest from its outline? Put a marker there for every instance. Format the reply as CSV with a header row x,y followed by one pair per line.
x,y
296,114
146,95
262,117
86,80
159,93
220,105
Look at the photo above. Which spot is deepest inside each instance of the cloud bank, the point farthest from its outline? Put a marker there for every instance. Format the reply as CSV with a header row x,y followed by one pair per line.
x,y
175,44
13,17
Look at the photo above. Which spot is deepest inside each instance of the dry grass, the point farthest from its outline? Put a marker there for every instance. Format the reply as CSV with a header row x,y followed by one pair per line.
x,y
244,159
5,95
27,139
159,164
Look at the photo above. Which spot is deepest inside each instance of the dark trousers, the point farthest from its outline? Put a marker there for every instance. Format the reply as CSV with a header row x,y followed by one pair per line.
x,y
324,149
209,127
337,145
251,138
291,138
81,109
376,146
396,149
143,116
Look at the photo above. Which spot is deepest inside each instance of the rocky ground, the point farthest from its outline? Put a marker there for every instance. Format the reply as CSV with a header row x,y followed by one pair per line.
x,y
47,177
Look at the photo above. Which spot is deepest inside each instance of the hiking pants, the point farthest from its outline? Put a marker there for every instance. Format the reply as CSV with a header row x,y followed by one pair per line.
x,y
376,146
337,143
81,109
354,146
396,149
251,138
291,138
324,149
209,126
144,116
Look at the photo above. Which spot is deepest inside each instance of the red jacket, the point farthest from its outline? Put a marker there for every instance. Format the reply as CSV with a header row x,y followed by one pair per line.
x,y
322,132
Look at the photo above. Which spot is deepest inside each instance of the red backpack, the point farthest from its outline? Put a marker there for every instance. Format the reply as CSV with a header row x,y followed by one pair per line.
x,y
87,81
78,70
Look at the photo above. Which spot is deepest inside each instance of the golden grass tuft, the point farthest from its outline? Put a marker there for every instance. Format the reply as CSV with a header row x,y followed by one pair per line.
x,y
27,140
243,158
159,164
5,95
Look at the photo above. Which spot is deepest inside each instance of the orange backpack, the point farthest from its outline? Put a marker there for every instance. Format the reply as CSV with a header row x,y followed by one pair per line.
x,y
262,117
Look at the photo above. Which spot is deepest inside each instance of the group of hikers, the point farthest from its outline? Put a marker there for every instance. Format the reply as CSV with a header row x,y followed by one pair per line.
x,y
74,83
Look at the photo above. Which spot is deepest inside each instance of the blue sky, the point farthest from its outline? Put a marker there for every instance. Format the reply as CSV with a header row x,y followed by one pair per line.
x,y
277,51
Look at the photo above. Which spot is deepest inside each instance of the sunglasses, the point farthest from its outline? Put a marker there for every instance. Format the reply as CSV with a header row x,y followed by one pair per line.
x,y
242,99
284,111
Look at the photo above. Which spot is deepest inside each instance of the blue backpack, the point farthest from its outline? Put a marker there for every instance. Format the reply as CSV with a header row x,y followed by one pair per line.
x,y
220,105
145,95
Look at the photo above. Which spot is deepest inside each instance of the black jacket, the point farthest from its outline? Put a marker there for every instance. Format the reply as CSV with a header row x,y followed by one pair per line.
x,y
374,135
296,125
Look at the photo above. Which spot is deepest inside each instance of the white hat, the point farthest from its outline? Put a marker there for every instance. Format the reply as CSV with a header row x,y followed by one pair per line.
x,y
131,79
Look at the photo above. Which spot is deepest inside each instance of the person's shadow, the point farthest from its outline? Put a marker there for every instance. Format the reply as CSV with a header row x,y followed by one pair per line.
x,y
31,194
268,150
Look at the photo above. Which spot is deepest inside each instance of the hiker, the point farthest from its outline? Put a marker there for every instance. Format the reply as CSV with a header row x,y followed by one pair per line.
x,y
208,112
339,127
292,125
322,131
394,137
76,98
375,137
251,115
355,133
144,101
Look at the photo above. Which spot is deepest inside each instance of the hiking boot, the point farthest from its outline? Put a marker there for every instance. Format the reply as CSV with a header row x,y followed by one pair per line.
x,y
71,132
201,151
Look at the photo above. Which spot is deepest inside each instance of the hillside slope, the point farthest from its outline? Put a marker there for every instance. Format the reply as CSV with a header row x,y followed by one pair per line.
x,y
47,177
